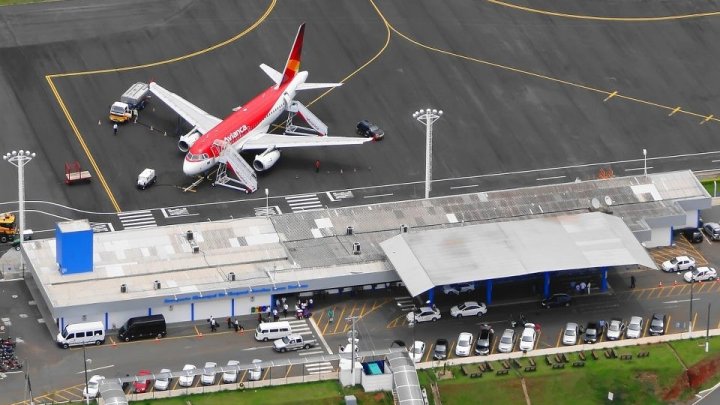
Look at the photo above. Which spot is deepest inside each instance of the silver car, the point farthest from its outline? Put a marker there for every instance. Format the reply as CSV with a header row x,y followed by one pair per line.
x,y
571,334
507,341
634,328
162,383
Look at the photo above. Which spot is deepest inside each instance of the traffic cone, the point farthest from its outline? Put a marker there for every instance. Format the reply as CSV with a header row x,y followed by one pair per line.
x,y
674,282
660,284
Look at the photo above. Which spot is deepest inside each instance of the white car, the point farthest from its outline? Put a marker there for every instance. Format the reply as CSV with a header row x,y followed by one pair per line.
x,y
458,288
424,314
255,373
571,334
506,341
417,350
93,385
464,344
162,383
634,328
187,379
470,308
527,339
700,274
208,377
615,329
230,376
679,263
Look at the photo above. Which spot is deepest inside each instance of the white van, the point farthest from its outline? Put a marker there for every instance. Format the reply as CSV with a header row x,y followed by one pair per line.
x,y
272,330
75,334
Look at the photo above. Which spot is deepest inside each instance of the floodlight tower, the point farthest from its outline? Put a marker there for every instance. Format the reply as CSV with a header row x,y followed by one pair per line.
x,y
19,159
427,117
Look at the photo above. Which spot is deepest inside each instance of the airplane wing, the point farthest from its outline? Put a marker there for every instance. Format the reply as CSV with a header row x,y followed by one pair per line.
x,y
265,141
191,113
312,86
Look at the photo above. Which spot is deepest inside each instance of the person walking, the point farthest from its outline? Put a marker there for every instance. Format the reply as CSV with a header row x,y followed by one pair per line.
x,y
317,166
285,309
331,315
236,324
632,281
310,303
229,322
259,318
276,317
115,127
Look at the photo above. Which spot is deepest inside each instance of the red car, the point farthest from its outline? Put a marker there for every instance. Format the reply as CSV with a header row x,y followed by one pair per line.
x,y
143,384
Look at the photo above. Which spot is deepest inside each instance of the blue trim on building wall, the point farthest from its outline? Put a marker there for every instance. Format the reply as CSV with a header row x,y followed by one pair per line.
x,y
488,291
107,319
431,295
232,307
192,311
546,285
603,279
149,311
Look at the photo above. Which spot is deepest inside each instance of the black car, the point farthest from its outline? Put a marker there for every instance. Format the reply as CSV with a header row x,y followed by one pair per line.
x,y
692,235
556,300
441,349
657,324
485,340
593,332
369,129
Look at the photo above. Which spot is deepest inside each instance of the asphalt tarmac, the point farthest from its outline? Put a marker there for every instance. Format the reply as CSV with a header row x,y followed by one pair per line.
x,y
546,91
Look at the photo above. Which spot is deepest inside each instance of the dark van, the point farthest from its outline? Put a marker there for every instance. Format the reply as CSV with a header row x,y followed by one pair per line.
x,y
143,327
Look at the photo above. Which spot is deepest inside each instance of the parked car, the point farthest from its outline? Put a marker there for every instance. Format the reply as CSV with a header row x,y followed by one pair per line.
x,y
162,383
657,324
208,377
369,129
464,344
693,235
231,376
570,335
679,263
93,385
469,308
485,340
417,350
424,314
441,349
458,288
255,373
143,382
700,274
556,300
593,332
527,339
634,328
187,379
615,329
507,341
712,229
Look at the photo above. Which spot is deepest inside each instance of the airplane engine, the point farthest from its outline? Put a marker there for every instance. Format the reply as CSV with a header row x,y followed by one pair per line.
x,y
266,159
187,140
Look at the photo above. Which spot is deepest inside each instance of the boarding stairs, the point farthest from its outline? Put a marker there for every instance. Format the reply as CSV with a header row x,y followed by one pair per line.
x,y
317,127
241,176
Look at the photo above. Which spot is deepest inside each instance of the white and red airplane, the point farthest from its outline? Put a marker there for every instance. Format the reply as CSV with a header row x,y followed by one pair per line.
x,y
247,127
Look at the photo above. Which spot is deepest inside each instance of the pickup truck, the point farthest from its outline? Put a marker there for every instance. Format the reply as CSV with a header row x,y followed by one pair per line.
x,y
293,342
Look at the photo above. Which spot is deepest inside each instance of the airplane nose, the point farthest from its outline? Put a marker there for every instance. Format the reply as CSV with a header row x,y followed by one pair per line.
x,y
191,168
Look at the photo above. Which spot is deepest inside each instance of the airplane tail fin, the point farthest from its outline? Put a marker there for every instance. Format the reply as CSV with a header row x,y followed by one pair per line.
x,y
293,62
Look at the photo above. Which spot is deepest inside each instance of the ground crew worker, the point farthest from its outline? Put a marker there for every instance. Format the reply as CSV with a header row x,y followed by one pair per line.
x,y
115,128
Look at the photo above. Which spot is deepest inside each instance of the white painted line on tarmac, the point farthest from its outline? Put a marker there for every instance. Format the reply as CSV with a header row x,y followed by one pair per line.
x,y
550,178
470,186
679,301
378,195
715,161
95,369
320,336
637,168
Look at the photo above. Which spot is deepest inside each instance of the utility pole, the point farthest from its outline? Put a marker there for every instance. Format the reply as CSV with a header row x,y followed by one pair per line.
x,y
352,319
27,381
692,283
427,118
707,331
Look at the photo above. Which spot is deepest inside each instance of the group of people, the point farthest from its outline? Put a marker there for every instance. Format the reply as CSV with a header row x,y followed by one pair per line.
x,y
580,287
231,323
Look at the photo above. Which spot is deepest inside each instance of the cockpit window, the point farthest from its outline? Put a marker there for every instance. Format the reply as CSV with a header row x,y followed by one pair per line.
x,y
196,158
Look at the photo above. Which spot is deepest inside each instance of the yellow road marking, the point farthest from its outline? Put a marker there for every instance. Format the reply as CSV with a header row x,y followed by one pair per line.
x,y
322,313
339,319
674,111
694,319
427,355
288,371
267,372
452,349
708,118
667,325
600,18
613,94
243,376
645,328
57,394
362,310
197,332
76,131
393,323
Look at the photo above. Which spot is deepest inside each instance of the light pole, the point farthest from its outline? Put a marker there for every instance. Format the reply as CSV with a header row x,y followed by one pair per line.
x,y
85,363
19,159
428,117
645,161
267,198
707,331
692,283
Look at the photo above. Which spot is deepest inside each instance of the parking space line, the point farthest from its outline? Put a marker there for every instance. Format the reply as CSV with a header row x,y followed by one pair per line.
x,y
652,291
667,325
57,394
640,292
340,317
452,349
702,286
243,376
645,329
322,313
288,371
362,309
393,323
557,343
682,291
267,372
375,307
694,319
427,356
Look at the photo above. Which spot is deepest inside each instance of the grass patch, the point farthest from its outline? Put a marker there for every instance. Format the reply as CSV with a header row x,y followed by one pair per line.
x,y
710,186
693,351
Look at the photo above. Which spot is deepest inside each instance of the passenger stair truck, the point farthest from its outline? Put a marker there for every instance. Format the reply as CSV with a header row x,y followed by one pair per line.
x,y
245,177
132,101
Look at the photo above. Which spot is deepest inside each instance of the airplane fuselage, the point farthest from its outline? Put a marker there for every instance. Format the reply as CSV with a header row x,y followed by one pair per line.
x,y
249,121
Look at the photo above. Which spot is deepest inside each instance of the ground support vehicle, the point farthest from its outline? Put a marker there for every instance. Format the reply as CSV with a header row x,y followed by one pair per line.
x,y
293,342
132,101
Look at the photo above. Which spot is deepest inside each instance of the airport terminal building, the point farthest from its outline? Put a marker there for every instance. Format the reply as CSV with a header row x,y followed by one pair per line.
x,y
226,268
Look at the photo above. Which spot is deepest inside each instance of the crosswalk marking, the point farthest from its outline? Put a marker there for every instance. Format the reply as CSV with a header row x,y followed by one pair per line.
x,y
404,303
137,219
319,367
305,202
271,210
